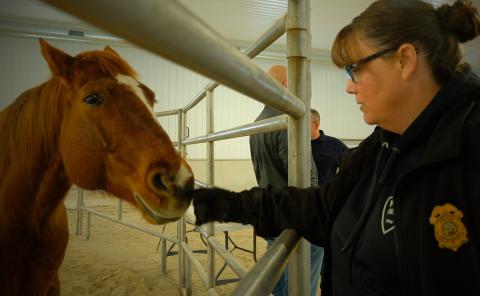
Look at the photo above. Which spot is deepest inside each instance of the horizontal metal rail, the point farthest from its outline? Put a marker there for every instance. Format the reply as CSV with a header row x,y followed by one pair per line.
x,y
131,225
263,277
262,126
267,38
200,96
168,112
202,139
170,30
201,184
196,263
198,268
224,253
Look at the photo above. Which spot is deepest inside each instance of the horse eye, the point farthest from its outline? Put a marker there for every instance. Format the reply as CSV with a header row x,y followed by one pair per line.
x,y
93,100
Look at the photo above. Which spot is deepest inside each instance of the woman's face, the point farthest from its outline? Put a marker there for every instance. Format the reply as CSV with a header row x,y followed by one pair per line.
x,y
377,87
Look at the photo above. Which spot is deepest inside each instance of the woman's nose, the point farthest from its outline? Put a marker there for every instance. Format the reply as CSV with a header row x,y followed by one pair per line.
x,y
351,87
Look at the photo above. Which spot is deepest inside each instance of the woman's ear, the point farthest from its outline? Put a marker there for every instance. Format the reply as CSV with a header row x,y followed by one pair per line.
x,y
408,60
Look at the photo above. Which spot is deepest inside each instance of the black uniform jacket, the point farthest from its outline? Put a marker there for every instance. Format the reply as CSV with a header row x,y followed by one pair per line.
x,y
435,178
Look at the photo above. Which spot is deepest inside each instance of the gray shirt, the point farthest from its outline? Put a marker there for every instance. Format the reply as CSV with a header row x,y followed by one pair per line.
x,y
269,152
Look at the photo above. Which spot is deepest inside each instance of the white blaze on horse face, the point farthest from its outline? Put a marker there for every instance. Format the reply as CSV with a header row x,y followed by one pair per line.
x,y
183,175
133,84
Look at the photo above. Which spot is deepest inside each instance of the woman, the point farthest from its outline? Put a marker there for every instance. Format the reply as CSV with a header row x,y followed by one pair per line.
x,y
402,215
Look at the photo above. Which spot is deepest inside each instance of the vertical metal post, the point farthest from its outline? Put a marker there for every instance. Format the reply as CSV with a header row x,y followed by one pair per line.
x,y
163,252
82,206
119,209
89,216
79,211
298,56
180,222
181,270
183,262
210,165
187,263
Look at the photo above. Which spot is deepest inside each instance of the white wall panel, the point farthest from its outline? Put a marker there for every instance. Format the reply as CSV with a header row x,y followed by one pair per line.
x,y
23,67
339,113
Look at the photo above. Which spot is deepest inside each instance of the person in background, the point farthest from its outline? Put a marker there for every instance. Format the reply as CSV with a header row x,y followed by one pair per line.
x,y
402,214
269,153
326,150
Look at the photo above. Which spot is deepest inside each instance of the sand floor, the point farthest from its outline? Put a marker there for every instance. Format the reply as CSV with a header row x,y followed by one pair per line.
x,y
118,260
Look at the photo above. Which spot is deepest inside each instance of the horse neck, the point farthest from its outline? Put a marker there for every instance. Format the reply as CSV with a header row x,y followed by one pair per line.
x,y
33,183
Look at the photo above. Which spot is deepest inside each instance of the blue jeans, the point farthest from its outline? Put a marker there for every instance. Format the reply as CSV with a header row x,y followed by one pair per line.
x,y
316,259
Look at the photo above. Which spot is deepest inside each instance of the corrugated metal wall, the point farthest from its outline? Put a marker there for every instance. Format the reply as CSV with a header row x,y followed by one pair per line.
x,y
23,67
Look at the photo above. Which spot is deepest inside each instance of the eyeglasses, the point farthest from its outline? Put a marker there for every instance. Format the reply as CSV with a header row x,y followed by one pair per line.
x,y
351,68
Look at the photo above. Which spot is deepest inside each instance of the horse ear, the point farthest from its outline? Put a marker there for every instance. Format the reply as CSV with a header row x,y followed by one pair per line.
x,y
109,49
58,61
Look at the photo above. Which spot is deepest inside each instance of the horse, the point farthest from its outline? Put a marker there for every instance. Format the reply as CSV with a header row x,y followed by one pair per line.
x,y
91,124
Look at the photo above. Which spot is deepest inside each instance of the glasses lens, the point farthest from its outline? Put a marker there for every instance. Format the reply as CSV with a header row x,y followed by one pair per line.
x,y
350,69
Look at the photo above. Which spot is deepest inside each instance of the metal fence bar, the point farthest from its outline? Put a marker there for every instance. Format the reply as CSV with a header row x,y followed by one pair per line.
x,y
224,253
271,35
167,113
182,31
267,38
210,181
261,126
183,261
196,263
163,252
263,277
299,146
199,268
131,225
78,228
200,184
80,208
199,97
119,209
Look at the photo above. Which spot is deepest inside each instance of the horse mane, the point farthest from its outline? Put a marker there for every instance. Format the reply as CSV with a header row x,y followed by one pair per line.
x,y
29,130
108,61
30,125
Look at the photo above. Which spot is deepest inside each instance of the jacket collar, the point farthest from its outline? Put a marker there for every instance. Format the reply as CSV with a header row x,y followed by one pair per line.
x,y
445,140
438,127
454,103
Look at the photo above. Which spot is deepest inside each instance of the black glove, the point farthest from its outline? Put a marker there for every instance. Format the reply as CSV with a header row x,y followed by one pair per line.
x,y
215,205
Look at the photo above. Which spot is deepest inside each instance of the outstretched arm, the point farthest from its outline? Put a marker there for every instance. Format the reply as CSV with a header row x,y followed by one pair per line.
x,y
269,210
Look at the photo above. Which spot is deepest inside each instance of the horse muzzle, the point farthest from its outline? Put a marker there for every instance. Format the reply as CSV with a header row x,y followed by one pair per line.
x,y
172,194
158,216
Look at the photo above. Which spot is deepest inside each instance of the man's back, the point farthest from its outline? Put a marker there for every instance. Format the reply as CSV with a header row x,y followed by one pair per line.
x,y
326,152
269,152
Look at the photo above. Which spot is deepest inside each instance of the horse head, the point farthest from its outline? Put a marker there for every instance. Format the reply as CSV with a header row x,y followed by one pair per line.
x,y
110,139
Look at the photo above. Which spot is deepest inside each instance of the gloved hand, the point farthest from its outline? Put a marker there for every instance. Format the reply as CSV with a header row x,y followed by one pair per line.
x,y
215,204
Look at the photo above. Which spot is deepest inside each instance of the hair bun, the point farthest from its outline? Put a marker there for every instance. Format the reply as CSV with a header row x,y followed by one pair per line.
x,y
460,19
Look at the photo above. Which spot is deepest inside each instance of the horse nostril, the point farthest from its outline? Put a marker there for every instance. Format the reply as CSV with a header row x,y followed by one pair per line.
x,y
184,192
157,182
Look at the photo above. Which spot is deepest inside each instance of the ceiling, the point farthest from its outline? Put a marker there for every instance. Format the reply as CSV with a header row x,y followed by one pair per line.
x,y
237,20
